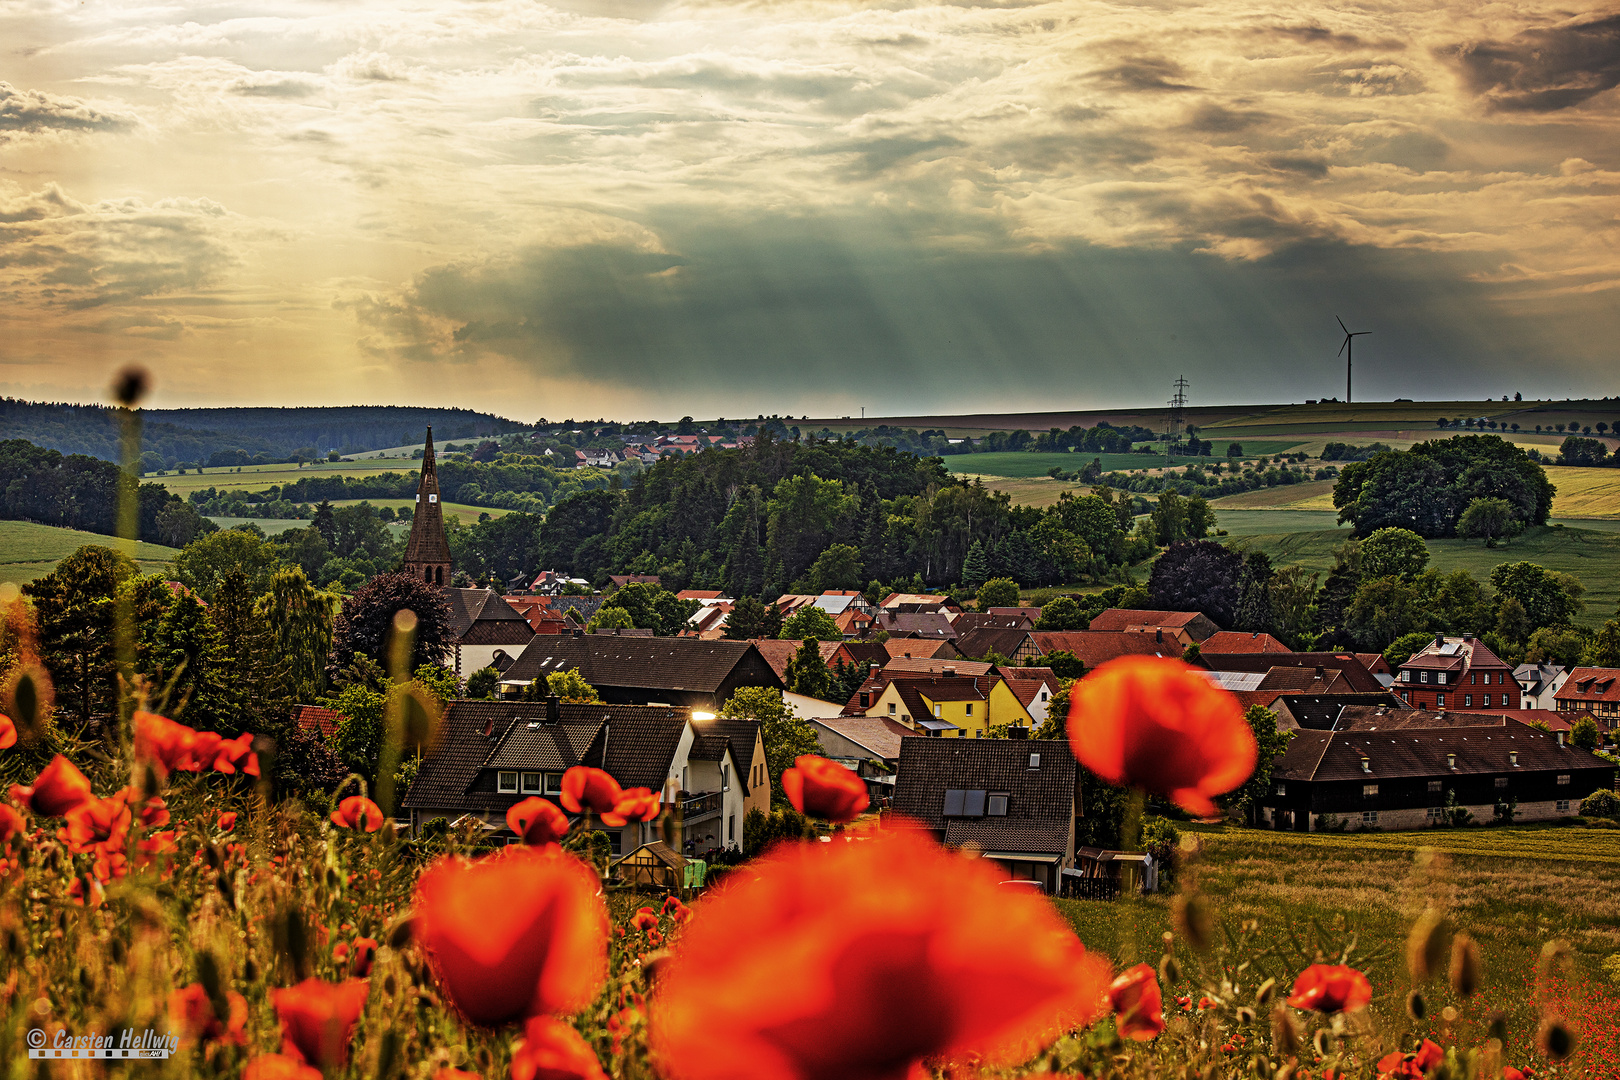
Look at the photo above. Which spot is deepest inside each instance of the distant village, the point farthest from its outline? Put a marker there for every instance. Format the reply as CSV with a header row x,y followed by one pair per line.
x,y
956,718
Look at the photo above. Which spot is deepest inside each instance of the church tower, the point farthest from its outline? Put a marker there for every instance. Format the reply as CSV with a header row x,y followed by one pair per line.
x,y
427,555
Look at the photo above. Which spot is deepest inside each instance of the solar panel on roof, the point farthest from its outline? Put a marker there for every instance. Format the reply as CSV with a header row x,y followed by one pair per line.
x,y
973,806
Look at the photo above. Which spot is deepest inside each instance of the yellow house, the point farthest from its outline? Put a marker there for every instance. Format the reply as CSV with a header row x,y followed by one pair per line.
x,y
951,706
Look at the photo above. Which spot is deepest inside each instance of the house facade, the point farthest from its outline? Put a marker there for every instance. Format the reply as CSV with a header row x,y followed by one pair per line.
x,y
1539,684
482,624
490,755
1457,673
1592,691
1013,800
947,705
1412,777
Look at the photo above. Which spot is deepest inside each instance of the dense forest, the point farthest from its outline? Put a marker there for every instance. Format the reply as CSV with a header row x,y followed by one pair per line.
x,y
194,436
77,491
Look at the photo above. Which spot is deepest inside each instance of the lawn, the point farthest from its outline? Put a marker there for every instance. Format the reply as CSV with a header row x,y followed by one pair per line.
x,y
28,551
1513,889
465,511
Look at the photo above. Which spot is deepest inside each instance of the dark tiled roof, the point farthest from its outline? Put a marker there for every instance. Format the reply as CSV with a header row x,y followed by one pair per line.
x,y
987,621
481,610
655,663
778,651
582,606
459,750
984,641
1322,711
1041,806
1014,673
710,748
641,742
1357,678
930,626
934,665
1422,752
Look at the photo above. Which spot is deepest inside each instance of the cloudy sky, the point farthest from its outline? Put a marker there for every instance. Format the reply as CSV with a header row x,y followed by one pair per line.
x,y
632,208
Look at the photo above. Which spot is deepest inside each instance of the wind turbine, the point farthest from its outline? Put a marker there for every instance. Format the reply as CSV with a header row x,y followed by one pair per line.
x,y
1347,350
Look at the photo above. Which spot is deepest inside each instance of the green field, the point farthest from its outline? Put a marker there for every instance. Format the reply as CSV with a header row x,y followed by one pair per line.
x,y
1017,464
1513,889
1591,554
465,511
259,477
28,551
268,526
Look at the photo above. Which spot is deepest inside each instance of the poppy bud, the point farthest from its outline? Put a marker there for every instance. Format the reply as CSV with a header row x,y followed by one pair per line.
x,y
1193,922
1425,945
130,385
1322,1042
400,935
1496,1024
26,699
1416,1007
1263,996
1464,965
115,951
213,855
1169,970
1555,1039
1284,1031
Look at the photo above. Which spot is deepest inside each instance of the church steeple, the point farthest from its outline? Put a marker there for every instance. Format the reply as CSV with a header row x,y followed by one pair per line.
x,y
427,554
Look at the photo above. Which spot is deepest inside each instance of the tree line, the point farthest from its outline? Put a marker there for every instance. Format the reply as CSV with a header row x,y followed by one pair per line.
x,y
76,491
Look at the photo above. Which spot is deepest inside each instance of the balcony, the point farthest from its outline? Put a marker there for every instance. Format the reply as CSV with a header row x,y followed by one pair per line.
x,y
701,804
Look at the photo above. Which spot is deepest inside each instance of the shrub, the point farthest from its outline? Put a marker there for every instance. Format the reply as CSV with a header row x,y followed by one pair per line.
x,y
1602,803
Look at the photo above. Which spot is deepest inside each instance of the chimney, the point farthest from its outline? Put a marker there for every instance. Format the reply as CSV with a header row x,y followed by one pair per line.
x,y
1319,671
872,670
1560,738
1439,639
552,714
579,631
1366,763
1158,635
1018,731
1468,635
1451,761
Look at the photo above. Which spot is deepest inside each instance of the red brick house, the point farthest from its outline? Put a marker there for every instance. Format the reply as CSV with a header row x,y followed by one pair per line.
x,y
1457,673
1594,691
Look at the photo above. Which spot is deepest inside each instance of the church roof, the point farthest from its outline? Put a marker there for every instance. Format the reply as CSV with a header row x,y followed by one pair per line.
x,y
427,543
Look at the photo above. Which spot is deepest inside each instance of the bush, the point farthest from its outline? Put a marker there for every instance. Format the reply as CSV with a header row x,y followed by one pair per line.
x,y
1602,803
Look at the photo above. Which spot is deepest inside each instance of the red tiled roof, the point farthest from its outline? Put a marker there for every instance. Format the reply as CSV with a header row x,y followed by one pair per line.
x,y
318,720
1235,641
916,647
933,665
1587,684
699,594
1093,647
778,651
1116,619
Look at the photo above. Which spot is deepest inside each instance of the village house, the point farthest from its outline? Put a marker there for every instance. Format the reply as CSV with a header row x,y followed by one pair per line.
x,y
1539,684
482,624
1592,691
1187,627
1034,687
1411,777
680,671
867,745
489,755
949,704
1236,641
1457,672
1012,801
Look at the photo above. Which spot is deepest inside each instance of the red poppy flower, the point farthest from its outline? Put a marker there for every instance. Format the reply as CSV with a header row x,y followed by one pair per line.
x,y
154,812
1399,1066
227,821
340,952
77,887
11,824
317,1019
864,960
58,788
167,745
365,955
99,827
158,843
279,1067
198,1022
633,804
551,1050
518,934
645,919
1510,1073
1157,724
537,821
583,786
824,789
237,753
1137,1004
358,812
675,909
204,746
8,732
1330,988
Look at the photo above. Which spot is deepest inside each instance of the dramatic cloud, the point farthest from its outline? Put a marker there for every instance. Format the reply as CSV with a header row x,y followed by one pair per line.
x,y
696,205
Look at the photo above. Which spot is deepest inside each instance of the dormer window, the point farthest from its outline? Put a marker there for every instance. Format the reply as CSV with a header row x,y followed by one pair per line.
x,y
506,782
531,783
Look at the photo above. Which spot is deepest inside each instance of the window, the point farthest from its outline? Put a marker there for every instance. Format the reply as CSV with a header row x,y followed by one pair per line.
x,y
1488,701
1501,781
1282,789
1468,700
1043,695
891,708
939,710
1369,817
1434,813
970,708
531,782
731,828
506,781
1423,676
1563,778
1368,790
1440,701
1406,676
1471,678
1562,806
684,785
961,802
1440,677
997,805
725,778
1434,785
553,783
1034,761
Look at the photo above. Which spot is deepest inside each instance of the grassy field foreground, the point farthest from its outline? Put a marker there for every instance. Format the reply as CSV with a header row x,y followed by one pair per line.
x,y
1513,889
28,550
